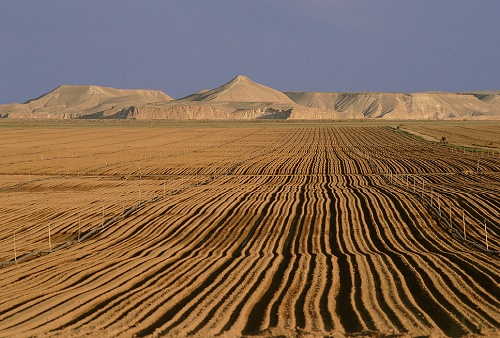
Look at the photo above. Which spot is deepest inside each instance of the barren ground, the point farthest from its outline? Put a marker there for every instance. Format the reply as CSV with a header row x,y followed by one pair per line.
x,y
248,229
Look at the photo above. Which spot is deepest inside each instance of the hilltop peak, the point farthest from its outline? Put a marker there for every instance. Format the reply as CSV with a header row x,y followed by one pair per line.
x,y
241,89
242,78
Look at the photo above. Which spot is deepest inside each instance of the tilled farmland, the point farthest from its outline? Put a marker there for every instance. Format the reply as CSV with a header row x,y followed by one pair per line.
x,y
246,229
477,133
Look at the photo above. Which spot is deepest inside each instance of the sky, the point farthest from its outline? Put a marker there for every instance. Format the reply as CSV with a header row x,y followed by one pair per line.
x,y
181,47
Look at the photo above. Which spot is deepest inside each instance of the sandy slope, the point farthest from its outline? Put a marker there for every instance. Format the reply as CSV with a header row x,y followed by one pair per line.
x,y
82,101
240,98
409,106
241,89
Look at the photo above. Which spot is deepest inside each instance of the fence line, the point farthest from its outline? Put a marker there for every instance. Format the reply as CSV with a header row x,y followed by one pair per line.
x,y
449,222
388,178
85,235
125,212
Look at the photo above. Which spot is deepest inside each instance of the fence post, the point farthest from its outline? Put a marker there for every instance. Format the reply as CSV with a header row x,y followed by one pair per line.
x,y
463,221
451,225
15,252
50,243
79,227
486,235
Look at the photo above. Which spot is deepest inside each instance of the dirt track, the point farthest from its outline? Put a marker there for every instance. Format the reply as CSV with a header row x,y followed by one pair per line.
x,y
259,229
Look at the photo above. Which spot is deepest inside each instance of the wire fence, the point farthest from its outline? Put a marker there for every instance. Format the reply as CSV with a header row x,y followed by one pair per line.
x,y
436,204
20,255
439,206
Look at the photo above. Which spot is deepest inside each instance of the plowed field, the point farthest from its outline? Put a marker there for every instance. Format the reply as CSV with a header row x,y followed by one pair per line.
x,y
485,134
246,229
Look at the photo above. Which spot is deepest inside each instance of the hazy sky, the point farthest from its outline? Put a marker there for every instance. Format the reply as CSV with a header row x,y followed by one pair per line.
x,y
182,46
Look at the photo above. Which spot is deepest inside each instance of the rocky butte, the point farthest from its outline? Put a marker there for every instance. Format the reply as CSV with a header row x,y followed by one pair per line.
x,y
243,99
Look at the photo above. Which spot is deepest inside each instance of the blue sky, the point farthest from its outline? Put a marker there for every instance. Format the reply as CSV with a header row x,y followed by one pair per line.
x,y
181,47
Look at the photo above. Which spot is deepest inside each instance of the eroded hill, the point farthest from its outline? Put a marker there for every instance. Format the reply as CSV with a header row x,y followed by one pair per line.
x,y
73,102
241,98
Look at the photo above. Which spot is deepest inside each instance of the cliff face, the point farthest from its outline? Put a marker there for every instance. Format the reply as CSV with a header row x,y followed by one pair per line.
x,y
405,106
241,98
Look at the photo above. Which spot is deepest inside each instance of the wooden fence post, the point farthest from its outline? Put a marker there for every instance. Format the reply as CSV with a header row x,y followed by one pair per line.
x,y
15,252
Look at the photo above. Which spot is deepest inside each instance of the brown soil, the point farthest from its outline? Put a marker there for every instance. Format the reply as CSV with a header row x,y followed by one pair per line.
x,y
249,230
483,135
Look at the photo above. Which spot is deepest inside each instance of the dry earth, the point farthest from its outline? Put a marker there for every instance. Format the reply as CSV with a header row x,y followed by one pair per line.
x,y
245,229
478,134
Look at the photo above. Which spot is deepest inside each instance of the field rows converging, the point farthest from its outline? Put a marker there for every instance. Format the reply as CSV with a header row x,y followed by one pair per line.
x,y
247,230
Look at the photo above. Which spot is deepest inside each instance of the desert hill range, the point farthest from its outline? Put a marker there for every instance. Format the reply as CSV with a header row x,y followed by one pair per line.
x,y
242,98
